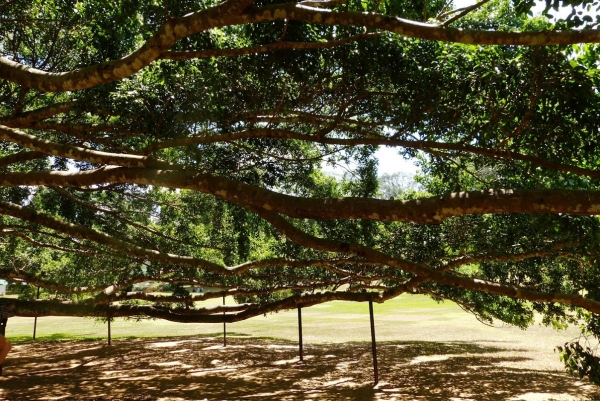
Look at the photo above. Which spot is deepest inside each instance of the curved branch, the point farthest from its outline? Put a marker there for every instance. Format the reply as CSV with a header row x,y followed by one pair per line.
x,y
78,153
223,15
127,248
21,157
28,117
432,210
165,37
45,244
421,30
304,239
115,214
49,308
282,134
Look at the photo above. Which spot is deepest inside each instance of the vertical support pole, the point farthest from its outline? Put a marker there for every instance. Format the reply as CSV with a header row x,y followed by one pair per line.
x,y
301,351
3,332
35,318
224,327
109,340
375,372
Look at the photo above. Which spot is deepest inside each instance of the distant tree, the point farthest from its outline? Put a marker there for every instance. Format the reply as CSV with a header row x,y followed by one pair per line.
x,y
391,186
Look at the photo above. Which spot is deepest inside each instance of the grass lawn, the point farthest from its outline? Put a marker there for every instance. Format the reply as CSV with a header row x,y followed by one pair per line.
x,y
406,318
402,318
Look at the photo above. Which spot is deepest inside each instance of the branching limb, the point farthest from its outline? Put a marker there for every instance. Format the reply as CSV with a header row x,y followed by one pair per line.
x,y
283,45
431,210
21,157
461,12
79,153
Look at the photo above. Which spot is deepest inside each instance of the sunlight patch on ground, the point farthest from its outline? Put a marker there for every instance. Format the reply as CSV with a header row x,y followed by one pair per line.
x,y
465,371
180,351
203,372
286,361
167,344
338,381
95,363
173,363
429,358
543,397
222,348
345,365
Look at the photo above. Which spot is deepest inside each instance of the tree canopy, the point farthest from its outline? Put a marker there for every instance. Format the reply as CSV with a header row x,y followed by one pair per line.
x,y
184,142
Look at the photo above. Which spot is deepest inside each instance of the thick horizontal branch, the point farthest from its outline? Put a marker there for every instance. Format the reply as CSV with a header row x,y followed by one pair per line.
x,y
282,134
50,308
36,144
432,210
29,117
223,15
413,29
429,274
21,157
122,297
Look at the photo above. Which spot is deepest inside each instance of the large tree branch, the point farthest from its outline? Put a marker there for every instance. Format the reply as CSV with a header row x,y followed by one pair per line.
x,y
282,134
21,157
432,210
79,153
167,35
48,308
229,13
304,239
29,117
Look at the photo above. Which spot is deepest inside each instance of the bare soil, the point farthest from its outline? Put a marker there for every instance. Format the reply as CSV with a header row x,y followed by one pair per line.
x,y
186,368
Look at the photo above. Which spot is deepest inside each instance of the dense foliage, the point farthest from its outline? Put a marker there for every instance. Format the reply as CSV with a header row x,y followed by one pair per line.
x,y
184,142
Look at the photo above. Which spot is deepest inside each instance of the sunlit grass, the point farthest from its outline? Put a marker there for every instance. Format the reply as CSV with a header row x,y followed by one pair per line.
x,y
331,322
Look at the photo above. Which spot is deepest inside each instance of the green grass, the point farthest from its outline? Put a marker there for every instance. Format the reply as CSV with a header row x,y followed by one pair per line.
x,y
406,318
330,322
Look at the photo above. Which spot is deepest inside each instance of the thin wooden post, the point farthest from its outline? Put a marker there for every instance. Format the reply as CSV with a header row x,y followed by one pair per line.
x,y
373,343
35,318
301,351
224,327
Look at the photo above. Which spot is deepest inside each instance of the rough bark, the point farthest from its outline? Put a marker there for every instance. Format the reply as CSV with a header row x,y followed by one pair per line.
x,y
239,12
432,210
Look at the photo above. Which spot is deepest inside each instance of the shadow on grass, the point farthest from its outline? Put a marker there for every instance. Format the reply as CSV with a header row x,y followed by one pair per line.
x,y
201,368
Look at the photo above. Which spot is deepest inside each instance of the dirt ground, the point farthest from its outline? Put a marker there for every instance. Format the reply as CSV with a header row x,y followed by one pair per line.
x,y
174,369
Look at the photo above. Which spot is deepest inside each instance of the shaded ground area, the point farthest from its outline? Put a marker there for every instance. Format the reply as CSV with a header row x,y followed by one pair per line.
x,y
202,369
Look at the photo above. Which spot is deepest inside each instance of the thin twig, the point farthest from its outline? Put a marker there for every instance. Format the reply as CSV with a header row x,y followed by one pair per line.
x,y
464,12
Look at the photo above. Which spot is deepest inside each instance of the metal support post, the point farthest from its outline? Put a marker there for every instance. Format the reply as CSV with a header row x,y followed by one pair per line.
x,y
375,372
301,351
35,318
224,327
